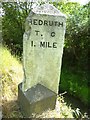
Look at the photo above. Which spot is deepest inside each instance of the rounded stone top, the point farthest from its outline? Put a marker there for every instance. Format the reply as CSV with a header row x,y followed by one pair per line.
x,y
47,9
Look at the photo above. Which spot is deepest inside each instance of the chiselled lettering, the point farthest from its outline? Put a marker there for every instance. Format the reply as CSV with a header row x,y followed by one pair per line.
x,y
35,21
52,34
50,23
45,22
48,45
60,24
37,32
40,22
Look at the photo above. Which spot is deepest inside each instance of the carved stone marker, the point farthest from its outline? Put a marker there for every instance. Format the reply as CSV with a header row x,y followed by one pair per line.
x,y
43,42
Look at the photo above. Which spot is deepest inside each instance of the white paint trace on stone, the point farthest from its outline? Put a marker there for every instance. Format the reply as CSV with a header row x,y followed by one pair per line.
x,y
47,9
43,42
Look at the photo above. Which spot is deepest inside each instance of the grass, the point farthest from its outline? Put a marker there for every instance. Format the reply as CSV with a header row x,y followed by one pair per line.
x,y
76,84
11,76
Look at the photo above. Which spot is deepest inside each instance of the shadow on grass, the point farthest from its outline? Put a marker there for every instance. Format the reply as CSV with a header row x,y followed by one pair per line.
x,y
11,109
76,103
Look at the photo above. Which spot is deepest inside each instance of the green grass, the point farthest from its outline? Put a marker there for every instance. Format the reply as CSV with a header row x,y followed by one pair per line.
x,y
76,84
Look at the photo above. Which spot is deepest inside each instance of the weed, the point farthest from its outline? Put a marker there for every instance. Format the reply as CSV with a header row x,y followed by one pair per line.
x,y
75,84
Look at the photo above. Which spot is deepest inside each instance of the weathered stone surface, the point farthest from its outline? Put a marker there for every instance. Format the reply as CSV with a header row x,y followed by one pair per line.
x,y
47,9
36,100
43,42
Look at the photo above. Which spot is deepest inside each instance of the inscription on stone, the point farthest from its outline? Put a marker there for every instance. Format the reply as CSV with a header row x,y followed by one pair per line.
x,y
43,47
52,34
44,44
45,22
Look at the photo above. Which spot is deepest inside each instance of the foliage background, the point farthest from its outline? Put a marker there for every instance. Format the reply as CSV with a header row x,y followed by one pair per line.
x,y
77,31
76,48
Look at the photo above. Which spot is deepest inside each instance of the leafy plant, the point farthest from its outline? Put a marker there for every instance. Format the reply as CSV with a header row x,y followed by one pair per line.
x,y
77,114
